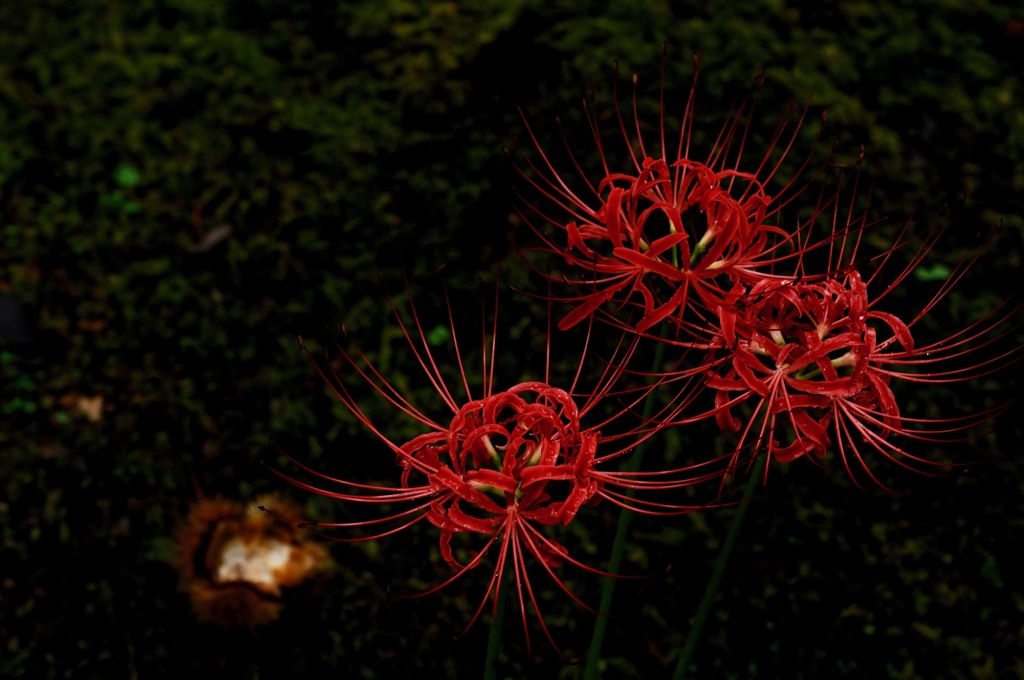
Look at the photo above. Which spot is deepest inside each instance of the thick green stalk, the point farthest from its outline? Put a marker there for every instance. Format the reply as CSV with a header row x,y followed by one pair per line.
x,y
711,590
632,464
494,636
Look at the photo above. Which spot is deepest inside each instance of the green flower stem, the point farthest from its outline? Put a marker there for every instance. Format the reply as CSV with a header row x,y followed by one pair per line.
x,y
494,636
632,464
716,576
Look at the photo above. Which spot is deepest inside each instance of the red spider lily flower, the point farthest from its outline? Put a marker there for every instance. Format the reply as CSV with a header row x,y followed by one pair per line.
x,y
506,465
818,362
673,228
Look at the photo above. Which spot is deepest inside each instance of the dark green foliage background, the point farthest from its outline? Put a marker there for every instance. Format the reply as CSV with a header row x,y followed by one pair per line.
x,y
333,146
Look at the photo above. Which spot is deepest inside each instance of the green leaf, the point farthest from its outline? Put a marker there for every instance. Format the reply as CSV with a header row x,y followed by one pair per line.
x,y
126,176
438,335
935,272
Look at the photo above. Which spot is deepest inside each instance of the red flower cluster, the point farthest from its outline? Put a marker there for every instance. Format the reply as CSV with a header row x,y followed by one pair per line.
x,y
810,355
507,464
670,231
799,360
